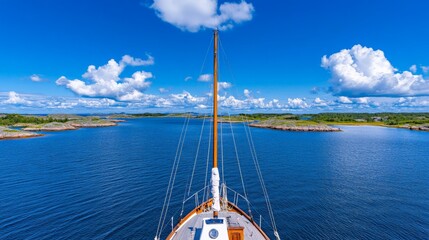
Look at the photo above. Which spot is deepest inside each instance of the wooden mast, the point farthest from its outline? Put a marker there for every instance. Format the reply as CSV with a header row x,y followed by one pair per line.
x,y
215,137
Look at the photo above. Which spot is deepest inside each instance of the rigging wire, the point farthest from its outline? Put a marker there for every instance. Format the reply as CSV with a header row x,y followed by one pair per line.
x,y
161,224
253,153
221,151
261,179
164,211
239,165
196,155
166,224
176,165
209,141
207,164
205,57
172,177
188,186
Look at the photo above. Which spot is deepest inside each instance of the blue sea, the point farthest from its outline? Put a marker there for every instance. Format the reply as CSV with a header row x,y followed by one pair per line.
x,y
110,183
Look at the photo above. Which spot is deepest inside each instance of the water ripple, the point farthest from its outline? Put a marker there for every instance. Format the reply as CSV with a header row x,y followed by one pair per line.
x,y
109,183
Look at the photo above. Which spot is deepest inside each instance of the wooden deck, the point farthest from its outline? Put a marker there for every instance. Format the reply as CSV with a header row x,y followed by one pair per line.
x,y
191,227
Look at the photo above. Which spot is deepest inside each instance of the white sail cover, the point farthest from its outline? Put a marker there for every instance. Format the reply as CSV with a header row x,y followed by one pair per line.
x,y
215,189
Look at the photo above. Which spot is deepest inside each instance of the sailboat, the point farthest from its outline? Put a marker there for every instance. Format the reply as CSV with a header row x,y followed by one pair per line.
x,y
217,218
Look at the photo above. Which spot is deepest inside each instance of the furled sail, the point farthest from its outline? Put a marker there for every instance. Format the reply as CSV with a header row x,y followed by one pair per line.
x,y
215,189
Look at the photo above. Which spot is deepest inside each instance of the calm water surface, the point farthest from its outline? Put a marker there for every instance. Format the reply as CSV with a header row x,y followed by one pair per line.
x,y
109,183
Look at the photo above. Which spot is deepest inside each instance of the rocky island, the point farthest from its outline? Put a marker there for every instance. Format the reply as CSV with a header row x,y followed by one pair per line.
x,y
284,122
53,126
323,122
9,133
296,128
24,126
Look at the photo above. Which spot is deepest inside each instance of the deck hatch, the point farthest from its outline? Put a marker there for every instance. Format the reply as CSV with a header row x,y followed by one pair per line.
x,y
214,221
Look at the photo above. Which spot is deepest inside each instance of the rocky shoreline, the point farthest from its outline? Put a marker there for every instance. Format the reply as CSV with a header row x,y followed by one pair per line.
x,y
57,126
416,128
309,128
50,127
29,130
94,124
8,133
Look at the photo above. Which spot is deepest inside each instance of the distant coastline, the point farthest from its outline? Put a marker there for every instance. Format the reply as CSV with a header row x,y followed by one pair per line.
x,y
14,126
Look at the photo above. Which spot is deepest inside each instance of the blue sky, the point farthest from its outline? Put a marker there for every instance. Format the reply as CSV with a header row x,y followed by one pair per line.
x,y
376,55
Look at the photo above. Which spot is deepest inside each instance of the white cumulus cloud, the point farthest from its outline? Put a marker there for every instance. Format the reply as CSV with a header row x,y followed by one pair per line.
x,y
412,102
362,72
247,93
193,15
105,80
163,90
224,85
205,77
248,103
96,103
185,99
318,102
16,99
14,102
128,60
362,100
297,103
344,100
35,78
